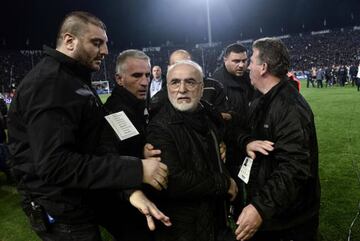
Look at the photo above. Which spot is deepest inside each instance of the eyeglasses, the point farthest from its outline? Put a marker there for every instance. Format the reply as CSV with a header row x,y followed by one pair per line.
x,y
190,84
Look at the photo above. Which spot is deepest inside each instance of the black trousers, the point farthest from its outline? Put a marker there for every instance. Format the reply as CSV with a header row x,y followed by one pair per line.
x,y
71,232
120,218
310,80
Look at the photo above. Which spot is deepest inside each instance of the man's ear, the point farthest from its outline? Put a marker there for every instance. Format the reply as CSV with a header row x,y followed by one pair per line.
x,y
264,68
70,42
119,79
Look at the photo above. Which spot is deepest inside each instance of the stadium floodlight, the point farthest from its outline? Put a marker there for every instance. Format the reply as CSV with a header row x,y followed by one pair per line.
x,y
208,22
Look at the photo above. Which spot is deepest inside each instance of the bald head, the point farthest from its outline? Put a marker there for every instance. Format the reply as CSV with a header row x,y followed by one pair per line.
x,y
179,55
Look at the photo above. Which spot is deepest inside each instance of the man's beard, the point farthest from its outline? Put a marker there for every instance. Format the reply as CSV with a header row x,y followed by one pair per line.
x,y
84,58
183,106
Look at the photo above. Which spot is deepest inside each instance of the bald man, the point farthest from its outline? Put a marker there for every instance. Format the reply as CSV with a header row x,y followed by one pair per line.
x,y
187,132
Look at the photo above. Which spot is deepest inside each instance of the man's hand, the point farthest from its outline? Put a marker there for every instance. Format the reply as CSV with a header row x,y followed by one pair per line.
x,y
222,149
248,223
226,116
155,173
148,208
233,189
150,151
259,146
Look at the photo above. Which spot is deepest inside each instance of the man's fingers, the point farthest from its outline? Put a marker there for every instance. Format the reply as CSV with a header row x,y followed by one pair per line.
x,y
268,147
148,208
153,212
151,151
154,152
158,159
163,170
150,222
226,116
263,151
155,184
156,213
269,142
163,166
162,181
245,234
263,147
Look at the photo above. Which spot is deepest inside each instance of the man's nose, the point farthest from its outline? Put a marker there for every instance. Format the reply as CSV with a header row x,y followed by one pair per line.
x,y
182,87
104,50
241,64
144,81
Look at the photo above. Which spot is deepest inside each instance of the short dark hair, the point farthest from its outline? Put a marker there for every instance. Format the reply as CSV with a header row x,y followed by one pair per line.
x,y
235,47
75,23
274,53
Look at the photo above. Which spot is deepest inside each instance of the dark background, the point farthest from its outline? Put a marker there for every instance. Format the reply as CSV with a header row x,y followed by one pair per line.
x,y
28,24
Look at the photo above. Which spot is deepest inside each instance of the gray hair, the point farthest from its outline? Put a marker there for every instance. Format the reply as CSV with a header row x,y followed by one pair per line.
x,y
130,53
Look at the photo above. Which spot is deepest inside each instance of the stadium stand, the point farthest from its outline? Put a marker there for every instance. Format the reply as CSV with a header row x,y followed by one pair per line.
x,y
325,48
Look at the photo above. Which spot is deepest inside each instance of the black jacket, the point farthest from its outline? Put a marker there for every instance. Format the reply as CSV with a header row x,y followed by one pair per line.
x,y
55,121
119,217
194,181
239,91
122,100
284,186
214,93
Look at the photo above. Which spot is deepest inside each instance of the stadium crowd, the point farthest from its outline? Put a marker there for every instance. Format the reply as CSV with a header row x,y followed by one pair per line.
x,y
327,51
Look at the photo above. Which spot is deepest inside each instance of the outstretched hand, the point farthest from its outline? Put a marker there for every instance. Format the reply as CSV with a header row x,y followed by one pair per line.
x,y
259,146
149,209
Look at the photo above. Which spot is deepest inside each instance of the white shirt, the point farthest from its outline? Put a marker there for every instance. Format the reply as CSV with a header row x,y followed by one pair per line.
x,y
155,87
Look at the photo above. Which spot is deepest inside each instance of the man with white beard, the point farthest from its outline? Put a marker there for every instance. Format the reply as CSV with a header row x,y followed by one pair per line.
x,y
187,131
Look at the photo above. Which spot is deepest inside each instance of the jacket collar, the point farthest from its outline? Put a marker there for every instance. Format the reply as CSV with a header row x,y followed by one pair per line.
x,y
128,98
73,65
267,98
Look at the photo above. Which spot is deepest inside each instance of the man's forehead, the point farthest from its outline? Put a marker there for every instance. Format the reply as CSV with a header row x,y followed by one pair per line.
x,y
94,31
185,72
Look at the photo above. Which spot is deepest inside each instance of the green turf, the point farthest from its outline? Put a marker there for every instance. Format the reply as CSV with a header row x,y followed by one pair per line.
x,y
337,116
103,99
